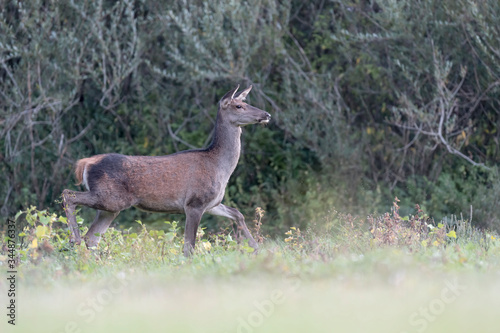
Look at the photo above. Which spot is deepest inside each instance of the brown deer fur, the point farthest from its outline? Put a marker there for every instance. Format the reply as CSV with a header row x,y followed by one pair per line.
x,y
191,182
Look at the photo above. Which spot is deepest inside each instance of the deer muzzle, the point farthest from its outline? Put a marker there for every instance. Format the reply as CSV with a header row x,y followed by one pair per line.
x,y
265,119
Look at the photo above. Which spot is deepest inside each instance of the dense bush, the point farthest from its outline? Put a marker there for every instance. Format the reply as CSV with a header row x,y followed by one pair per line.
x,y
369,99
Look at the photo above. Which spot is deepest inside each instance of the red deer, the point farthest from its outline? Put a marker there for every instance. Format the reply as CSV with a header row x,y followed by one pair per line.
x,y
189,182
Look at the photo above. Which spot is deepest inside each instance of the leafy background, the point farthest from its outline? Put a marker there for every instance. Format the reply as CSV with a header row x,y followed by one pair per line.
x,y
370,100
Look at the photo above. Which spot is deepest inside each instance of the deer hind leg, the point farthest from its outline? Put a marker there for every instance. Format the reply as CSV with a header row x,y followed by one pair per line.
x,y
101,223
110,204
193,218
235,215
71,199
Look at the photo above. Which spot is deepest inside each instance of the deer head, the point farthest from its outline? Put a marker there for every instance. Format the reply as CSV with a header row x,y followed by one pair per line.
x,y
233,109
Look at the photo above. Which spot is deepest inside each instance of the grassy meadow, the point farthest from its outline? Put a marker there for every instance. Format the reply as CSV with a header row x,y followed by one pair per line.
x,y
388,273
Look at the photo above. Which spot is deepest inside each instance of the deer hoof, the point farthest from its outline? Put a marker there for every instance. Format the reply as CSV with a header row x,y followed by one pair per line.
x,y
91,241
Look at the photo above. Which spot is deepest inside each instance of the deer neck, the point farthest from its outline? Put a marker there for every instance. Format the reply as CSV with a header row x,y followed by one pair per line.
x,y
226,145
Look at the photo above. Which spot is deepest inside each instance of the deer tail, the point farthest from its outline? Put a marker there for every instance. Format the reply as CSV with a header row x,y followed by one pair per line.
x,y
80,168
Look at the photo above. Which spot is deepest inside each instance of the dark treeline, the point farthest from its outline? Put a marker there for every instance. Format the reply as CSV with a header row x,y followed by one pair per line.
x,y
370,99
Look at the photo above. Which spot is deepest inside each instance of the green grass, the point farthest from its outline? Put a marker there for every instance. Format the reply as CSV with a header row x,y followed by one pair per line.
x,y
385,274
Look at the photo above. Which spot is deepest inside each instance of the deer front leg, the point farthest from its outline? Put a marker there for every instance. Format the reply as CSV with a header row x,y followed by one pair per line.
x,y
193,218
235,215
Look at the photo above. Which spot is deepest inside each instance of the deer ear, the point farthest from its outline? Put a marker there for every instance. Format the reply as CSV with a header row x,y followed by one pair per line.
x,y
228,97
242,95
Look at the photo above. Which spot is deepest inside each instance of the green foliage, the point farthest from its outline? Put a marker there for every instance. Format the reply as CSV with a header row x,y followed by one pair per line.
x,y
43,241
470,193
43,236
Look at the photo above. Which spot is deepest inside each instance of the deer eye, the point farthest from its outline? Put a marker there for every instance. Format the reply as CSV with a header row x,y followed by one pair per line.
x,y
239,106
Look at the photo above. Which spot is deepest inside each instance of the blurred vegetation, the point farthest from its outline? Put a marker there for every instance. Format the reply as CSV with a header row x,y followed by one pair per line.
x,y
40,239
370,99
406,261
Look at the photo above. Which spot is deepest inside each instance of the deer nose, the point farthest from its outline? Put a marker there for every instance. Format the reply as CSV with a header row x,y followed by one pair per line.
x,y
265,119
